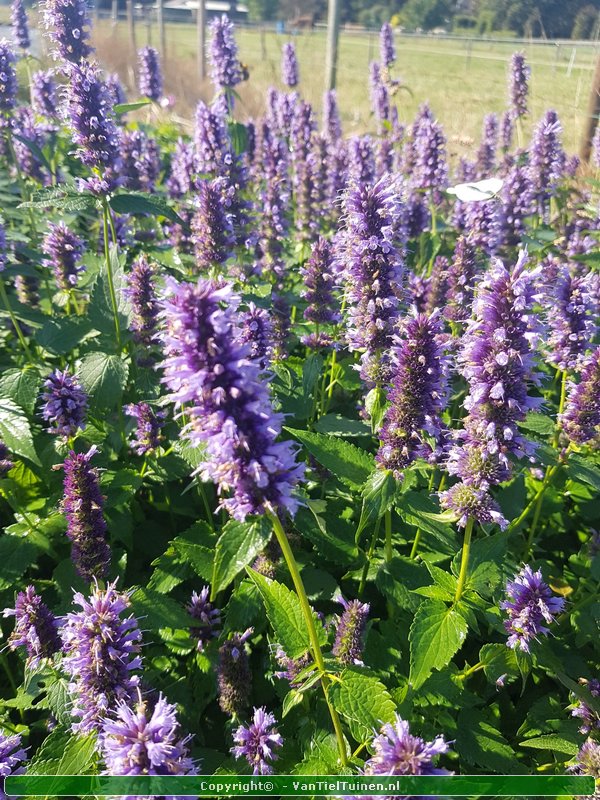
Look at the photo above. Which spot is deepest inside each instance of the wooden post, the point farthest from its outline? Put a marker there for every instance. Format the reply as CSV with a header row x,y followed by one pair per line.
x,y
162,38
201,29
131,26
114,13
333,32
592,116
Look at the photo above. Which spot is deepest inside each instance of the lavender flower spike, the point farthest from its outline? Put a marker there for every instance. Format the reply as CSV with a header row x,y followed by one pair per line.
x,y
150,76
67,24
319,280
209,617
589,717
518,84
12,756
64,250
387,51
9,86
349,639
581,418
257,742
36,628
43,93
572,307
138,740
257,331
398,752
234,678
418,394
469,502
149,423
82,506
101,653
226,71
5,463
530,604
19,24
144,303
65,404
289,65
212,224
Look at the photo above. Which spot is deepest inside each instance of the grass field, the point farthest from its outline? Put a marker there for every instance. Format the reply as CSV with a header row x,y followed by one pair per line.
x,y
462,80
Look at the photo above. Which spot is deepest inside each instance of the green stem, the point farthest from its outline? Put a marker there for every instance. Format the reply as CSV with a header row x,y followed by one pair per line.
x,y
111,285
389,551
371,550
310,625
471,670
416,542
464,563
15,322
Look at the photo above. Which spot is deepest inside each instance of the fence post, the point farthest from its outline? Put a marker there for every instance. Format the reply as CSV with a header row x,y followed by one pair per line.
x,y
333,30
160,19
131,25
114,12
201,32
592,116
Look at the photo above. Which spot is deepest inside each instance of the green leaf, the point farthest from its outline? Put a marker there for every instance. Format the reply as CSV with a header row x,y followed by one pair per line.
x,y
100,310
200,558
538,423
375,406
15,431
437,632
104,377
61,336
336,425
399,578
285,615
134,203
238,545
583,471
347,462
552,742
311,372
377,498
59,699
363,701
498,661
123,108
64,754
22,386
34,149
479,742
16,555
420,511
157,611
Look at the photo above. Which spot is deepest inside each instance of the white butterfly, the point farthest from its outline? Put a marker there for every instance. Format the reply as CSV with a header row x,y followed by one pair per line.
x,y
474,192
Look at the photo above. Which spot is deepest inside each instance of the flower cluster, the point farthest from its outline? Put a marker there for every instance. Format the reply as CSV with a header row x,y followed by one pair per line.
x,y
257,742
581,418
67,23
530,606
149,74
65,403
289,65
349,638
36,627
234,678
63,250
209,617
226,70
20,26
518,84
149,423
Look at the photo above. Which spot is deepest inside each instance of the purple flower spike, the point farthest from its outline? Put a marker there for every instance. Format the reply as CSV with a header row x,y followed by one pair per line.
x,y
64,250
234,678
82,506
65,404
289,65
469,502
518,84
398,752
572,308
44,93
319,279
36,627
547,159
530,604
257,742
138,740
67,24
149,74
486,155
590,719
588,761
212,224
149,423
20,25
5,463
144,303
140,161
430,172
9,86
226,70
387,51
374,272
102,649
291,667
209,370
258,333
12,756
349,639
581,419
209,618
418,394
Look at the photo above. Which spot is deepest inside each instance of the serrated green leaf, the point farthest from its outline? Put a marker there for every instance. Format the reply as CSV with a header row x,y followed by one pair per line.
x,y
377,498
397,579
347,462
15,431
538,423
436,634
285,615
123,108
498,661
62,336
200,558
375,406
157,611
238,545
16,555
337,425
311,372
22,386
421,511
100,309
104,377
65,754
363,701
479,742
553,742
134,203
582,471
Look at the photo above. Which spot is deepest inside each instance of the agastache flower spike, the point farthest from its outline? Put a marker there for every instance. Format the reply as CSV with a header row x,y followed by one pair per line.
x,y
398,752
209,617
530,603
67,24
212,224
27,288
139,739
257,742
469,502
226,71
581,418
518,84
228,406
213,150
571,308
546,159
82,505
102,651
19,24
289,65
149,74
349,639
319,280
387,51
418,394
44,93
256,330
65,403
141,292
5,463
234,677
12,756
486,155
430,171
8,82
36,627
64,250
149,423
